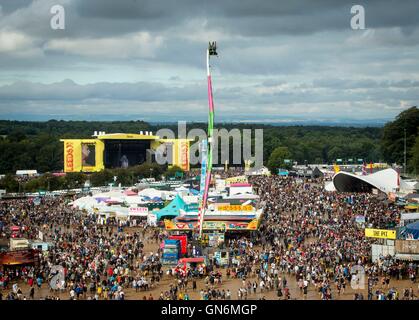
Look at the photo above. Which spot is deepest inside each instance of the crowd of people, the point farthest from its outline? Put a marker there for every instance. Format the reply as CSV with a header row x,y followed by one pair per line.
x,y
97,262
308,236
312,235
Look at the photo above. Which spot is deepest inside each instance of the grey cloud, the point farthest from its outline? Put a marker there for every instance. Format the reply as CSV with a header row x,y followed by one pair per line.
x,y
246,18
363,83
9,6
276,57
68,90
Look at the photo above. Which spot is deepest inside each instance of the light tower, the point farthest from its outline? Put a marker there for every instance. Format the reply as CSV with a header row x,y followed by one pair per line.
x,y
207,162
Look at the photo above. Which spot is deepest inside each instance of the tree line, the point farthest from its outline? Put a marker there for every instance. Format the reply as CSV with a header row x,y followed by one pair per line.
x,y
36,145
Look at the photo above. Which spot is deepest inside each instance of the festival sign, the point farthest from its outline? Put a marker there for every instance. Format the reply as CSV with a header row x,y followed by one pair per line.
x,y
138,211
237,226
170,225
235,208
254,224
380,233
212,225
191,207
238,179
183,155
69,157
72,156
19,257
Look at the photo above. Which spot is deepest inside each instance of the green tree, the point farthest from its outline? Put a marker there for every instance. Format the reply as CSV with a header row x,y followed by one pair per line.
x,y
147,170
277,157
392,143
16,136
74,180
414,160
32,185
101,178
9,183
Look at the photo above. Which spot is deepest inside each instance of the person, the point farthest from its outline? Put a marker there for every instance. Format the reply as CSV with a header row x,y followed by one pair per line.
x,y
228,294
99,290
87,157
32,293
72,294
286,293
279,292
124,162
194,284
284,282
39,282
305,288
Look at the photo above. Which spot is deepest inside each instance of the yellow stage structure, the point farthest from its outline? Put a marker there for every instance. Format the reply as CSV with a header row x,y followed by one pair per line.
x,y
116,150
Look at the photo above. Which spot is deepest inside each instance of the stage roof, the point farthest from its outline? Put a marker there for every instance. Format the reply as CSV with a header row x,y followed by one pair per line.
x,y
385,180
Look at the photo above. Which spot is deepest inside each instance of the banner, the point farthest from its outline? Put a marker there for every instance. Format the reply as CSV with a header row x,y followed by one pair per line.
x,y
184,155
191,207
72,154
336,168
235,208
380,233
238,179
212,225
140,211
69,157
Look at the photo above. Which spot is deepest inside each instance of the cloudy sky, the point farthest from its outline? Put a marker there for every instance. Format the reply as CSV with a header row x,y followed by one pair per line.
x,y
278,61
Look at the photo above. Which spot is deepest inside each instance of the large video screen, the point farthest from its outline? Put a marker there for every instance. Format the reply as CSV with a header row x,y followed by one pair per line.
x,y
88,155
125,153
